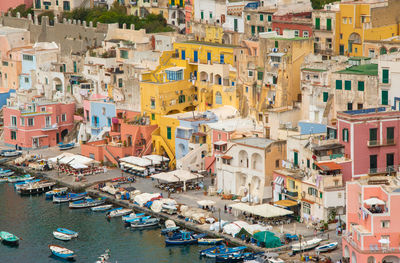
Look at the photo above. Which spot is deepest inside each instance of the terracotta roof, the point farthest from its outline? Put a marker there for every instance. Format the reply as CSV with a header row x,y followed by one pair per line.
x,y
227,157
329,166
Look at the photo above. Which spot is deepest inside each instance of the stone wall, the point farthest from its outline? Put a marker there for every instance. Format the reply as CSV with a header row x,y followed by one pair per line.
x,y
387,15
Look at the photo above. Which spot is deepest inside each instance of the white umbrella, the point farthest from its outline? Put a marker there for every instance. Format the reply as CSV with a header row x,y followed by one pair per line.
x,y
374,201
384,241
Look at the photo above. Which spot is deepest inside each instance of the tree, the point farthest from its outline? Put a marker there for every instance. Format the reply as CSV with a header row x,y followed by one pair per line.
x,y
319,4
22,9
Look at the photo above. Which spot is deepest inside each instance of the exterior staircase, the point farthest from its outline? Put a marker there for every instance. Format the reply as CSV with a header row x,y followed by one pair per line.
x,y
109,155
159,139
191,160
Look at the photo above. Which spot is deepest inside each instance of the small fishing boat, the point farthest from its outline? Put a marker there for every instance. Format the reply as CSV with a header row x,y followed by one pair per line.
x,y
210,241
327,247
183,238
129,221
62,252
6,173
16,179
36,188
70,197
101,208
67,232
221,250
19,185
67,146
306,245
118,212
132,216
87,202
3,180
104,257
236,257
166,231
145,223
62,236
11,153
56,192
8,238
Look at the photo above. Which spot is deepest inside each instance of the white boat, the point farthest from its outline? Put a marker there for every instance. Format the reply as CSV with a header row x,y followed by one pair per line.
x,y
119,212
327,247
101,208
62,236
11,153
306,245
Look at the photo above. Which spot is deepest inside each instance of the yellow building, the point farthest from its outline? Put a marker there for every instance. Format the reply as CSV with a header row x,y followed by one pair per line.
x,y
360,21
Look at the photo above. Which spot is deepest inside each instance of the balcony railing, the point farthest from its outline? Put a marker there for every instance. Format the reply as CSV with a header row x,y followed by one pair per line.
x,y
381,170
377,143
373,248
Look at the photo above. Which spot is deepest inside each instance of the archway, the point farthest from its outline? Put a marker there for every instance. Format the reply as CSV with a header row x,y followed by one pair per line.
x,y
129,140
226,39
390,259
353,257
190,108
354,38
382,51
63,134
392,50
371,259
346,252
203,76
57,85
173,112
218,79
243,159
256,162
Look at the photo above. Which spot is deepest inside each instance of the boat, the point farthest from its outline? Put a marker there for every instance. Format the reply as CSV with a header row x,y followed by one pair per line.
x,y
129,221
62,236
36,188
70,197
56,192
132,216
145,222
3,180
327,247
11,153
118,212
87,202
220,250
101,208
8,238
104,257
210,241
15,179
19,185
62,252
183,238
67,232
166,231
306,245
6,173
67,146
235,257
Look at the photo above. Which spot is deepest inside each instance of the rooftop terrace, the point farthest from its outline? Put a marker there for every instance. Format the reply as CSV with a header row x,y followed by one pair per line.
x,y
367,69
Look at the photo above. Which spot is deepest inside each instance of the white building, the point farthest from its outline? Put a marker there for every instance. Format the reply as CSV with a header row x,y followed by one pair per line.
x,y
389,77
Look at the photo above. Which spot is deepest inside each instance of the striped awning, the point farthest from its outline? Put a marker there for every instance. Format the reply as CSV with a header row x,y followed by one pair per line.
x,y
278,180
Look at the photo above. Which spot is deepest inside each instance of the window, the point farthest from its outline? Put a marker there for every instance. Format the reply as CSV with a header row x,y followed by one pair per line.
x,y
308,163
373,163
183,55
27,57
48,121
277,163
169,135
385,97
373,136
260,75
339,195
221,59
153,103
317,23
390,134
253,30
305,34
13,135
344,20
13,121
312,191
5,63
250,73
174,75
338,84
385,223
360,85
345,135
350,106
247,89
329,24
320,195
347,84
350,20
202,15
210,14
181,98
385,76
218,98
66,6
291,184
260,29
108,121
123,54
64,117
276,44
269,18
359,106
306,208
22,121
325,96
153,116
120,83
235,25
31,122
261,17
296,33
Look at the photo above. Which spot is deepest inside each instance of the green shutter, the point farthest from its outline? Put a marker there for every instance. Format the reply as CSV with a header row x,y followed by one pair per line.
x,y
260,75
269,18
261,17
276,44
153,116
253,30
361,85
385,76
325,96
202,15
329,24
385,97
347,85
317,22
295,158
248,17
169,136
338,84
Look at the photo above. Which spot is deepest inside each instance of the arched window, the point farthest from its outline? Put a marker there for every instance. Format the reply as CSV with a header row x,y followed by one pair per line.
x,y
392,50
383,51
218,98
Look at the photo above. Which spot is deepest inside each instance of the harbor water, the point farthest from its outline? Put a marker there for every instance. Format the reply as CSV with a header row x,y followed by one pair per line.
x,y
33,219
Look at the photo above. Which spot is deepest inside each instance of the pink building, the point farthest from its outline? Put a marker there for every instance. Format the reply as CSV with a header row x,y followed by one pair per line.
x,y
370,137
5,5
188,15
373,229
38,125
130,135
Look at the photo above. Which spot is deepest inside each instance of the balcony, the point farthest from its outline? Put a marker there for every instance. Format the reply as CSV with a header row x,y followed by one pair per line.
x,y
50,127
383,170
378,143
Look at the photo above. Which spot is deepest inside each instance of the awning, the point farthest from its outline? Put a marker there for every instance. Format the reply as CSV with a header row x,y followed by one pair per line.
x,y
220,143
156,158
78,166
374,201
278,180
227,157
136,161
39,136
286,203
329,166
263,210
176,176
132,166
199,134
206,203
184,128
276,54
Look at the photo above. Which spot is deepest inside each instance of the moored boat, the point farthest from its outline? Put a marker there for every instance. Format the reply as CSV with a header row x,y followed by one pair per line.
x,y
67,146
62,236
101,208
6,173
326,247
104,257
67,232
56,192
11,153
145,223
183,238
8,238
220,250
62,252
132,216
210,241
166,231
15,179
70,197
87,203
235,257
36,188
306,245
118,212
19,185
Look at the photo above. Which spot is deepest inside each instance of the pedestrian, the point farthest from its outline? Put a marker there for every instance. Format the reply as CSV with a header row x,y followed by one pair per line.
x,y
225,208
230,210
16,146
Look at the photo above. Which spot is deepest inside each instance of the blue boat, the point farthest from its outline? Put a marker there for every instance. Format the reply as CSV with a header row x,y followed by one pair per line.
x,y
56,192
220,250
235,257
87,202
129,221
67,232
5,173
132,216
70,197
23,183
166,231
67,146
62,252
183,238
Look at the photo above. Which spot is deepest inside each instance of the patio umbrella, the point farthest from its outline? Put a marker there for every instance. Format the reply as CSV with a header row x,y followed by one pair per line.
x,y
374,201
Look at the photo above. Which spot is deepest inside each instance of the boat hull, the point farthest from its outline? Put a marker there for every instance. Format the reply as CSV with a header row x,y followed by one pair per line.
x,y
38,190
214,241
172,242
307,245
10,242
101,208
146,224
62,236
327,247
87,204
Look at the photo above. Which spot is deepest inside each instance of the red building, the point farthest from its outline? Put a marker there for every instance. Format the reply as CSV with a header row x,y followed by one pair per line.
x,y
301,23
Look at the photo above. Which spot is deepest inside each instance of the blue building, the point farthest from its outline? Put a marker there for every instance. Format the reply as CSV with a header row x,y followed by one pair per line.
x,y
100,115
27,65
